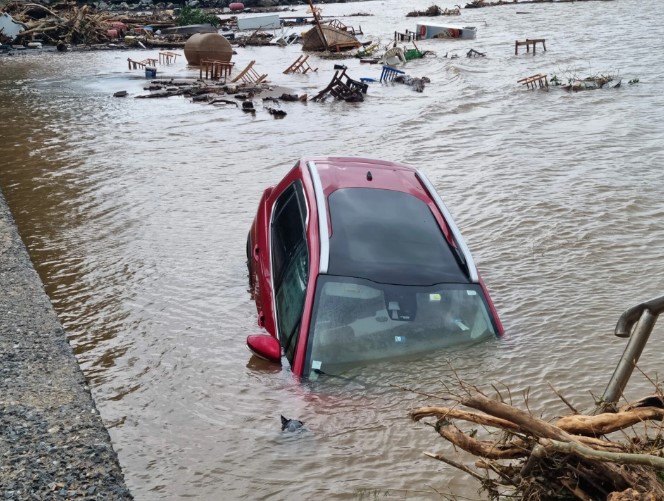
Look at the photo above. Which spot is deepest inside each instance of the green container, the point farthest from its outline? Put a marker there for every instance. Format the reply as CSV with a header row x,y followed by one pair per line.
x,y
413,54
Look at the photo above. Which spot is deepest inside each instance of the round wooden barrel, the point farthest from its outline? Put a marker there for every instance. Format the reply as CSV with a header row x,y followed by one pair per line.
x,y
210,46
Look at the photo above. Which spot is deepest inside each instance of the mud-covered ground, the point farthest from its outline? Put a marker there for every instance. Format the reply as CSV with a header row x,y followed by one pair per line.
x,y
53,444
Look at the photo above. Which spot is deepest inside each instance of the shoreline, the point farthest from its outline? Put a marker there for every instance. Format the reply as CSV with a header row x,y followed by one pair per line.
x,y
53,443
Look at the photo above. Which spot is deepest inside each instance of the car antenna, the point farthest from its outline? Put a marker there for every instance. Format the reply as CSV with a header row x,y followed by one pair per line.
x,y
369,176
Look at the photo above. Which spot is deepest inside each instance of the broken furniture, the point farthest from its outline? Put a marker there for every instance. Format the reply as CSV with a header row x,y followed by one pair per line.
x,y
335,23
300,66
534,81
249,75
407,36
528,42
475,53
394,55
415,53
390,73
215,70
134,65
333,35
167,57
343,87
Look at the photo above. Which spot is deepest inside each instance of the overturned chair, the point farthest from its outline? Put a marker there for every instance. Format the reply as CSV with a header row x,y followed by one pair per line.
x,y
388,74
343,87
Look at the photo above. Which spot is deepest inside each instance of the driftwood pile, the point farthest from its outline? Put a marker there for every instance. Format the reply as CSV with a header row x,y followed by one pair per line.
x,y
434,10
72,25
524,457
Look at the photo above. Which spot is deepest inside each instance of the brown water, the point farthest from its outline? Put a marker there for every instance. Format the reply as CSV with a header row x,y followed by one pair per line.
x,y
136,212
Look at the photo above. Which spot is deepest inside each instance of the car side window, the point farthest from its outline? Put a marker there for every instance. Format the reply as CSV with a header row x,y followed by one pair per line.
x,y
290,264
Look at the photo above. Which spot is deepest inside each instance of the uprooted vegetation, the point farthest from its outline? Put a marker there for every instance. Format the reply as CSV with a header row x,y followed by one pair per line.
x,y
571,80
64,24
69,24
434,10
614,456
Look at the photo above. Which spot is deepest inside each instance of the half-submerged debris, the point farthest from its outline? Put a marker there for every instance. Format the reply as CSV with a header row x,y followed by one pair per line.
x,y
290,424
429,30
475,53
333,35
275,112
575,83
416,83
590,83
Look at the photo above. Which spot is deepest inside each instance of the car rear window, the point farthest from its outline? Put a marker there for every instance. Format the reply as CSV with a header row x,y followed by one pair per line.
x,y
389,237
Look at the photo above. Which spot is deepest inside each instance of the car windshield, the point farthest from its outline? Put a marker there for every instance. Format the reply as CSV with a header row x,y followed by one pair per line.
x,y
356,320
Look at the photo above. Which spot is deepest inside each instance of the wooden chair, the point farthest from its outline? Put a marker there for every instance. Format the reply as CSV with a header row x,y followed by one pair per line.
x,y
215,70
533,81
134,65
249,75
300,66
343,87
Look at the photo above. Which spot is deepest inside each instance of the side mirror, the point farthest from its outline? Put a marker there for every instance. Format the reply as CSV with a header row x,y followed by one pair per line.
x,y
265,346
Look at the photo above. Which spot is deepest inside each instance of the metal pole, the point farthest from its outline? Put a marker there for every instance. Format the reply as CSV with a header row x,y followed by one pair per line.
x,y
628,361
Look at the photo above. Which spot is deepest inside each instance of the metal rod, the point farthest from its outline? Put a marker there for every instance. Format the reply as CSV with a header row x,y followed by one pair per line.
x,y
628,361
646,315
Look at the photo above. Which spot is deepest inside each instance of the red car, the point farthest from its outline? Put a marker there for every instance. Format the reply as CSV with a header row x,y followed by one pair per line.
x,y
352,260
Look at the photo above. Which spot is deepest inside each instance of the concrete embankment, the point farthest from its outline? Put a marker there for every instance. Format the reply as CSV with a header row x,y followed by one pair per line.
x,y
53,444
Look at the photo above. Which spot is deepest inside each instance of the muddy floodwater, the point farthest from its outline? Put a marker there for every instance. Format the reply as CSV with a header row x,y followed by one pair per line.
x,y
136,212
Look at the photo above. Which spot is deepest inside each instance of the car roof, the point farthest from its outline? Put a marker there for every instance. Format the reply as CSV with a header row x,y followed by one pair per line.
x,y
348,172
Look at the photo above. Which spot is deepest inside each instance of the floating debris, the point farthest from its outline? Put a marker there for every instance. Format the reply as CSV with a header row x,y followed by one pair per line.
x,y
276,113
474,53
416,83
575,83
290,424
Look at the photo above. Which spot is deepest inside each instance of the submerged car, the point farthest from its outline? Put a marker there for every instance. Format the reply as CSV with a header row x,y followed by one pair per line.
x,y
352,260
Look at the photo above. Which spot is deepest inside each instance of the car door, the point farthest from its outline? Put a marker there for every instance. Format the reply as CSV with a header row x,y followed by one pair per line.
x,y
290,264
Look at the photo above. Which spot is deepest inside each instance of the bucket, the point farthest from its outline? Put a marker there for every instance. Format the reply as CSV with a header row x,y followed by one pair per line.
x,y
150,72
